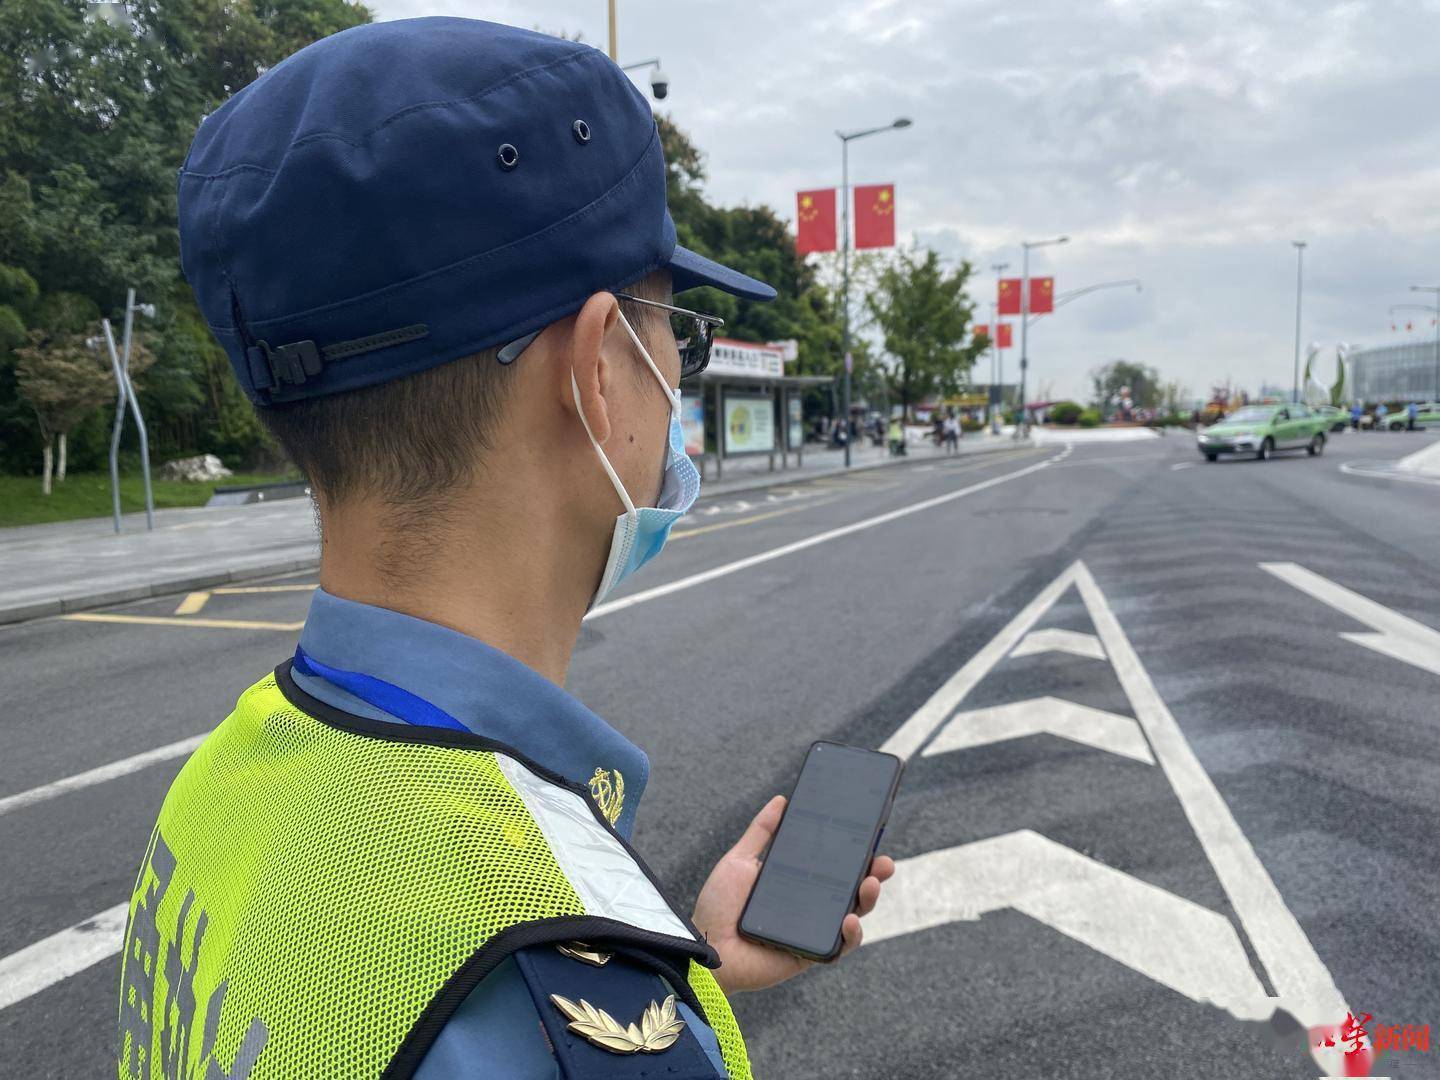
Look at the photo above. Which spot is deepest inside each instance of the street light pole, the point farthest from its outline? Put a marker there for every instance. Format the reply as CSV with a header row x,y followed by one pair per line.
x,y
120,365
1025,247
845,138
1436,290
613,53
1299,280
997,355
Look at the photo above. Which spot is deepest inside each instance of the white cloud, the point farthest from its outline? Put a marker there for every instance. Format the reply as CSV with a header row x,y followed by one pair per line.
x,y
1184,142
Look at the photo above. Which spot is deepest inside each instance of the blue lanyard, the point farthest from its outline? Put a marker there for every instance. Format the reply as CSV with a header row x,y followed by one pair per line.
x,y
379,694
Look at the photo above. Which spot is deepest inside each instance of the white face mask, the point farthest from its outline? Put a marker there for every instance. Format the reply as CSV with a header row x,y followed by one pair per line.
x,y
641,533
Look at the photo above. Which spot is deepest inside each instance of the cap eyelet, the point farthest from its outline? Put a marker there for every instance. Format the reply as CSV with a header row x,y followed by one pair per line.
x,y
508,156
582,131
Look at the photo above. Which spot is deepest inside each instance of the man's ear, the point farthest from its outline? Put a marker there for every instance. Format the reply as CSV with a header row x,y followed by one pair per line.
x,y
593,372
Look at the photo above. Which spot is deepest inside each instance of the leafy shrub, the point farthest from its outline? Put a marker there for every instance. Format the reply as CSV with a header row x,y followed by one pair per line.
x,y
1089,418
968,426
1065,412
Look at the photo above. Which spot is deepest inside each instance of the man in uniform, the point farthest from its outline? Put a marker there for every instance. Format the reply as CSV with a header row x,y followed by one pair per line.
x,y
438,255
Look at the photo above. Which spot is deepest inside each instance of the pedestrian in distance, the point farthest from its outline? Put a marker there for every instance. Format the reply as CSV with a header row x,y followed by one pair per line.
x,y
1355,413
897,437
438,255
1412,410
952,433
1381,411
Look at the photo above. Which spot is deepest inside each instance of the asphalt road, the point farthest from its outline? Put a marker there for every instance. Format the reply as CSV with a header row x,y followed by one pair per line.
x,y
1152,791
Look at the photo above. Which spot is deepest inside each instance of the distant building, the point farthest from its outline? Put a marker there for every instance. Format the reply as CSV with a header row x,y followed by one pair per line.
x,y
1409,372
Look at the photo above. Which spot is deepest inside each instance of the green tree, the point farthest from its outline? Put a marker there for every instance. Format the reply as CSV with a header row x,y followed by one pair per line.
x,y
95,119
1109,379
923,315
64,380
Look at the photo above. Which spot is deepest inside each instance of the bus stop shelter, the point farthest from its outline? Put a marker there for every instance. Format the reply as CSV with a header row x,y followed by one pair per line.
x,y
743,405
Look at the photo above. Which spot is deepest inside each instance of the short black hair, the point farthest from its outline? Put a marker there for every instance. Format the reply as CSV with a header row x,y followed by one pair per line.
x,y
413,440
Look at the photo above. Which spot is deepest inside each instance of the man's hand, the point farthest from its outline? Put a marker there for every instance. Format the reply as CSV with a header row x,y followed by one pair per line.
x,y
746,965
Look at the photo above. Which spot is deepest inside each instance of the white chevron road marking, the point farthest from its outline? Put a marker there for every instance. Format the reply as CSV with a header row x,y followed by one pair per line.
x,y
1054,639
952,887
1044,716
1395,635
1191,949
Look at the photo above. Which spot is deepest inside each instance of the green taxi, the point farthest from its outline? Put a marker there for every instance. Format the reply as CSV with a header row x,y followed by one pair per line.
x,y
1260,430
1426,413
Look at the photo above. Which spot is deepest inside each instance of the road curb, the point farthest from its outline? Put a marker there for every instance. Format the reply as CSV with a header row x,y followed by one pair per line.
x,y
190,581
65,605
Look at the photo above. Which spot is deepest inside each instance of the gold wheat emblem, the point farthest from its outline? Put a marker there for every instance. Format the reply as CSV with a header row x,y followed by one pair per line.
x,y
658,1029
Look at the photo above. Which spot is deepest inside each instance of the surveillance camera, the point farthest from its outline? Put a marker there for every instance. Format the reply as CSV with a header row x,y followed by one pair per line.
x,y
148,310
659,84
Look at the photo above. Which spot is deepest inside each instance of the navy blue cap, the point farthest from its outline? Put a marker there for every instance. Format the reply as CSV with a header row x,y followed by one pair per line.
x,y
403,194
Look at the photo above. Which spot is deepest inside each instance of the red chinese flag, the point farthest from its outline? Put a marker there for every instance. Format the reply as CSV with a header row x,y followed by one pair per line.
x,y
1009,298
875,215
1005,339
981,330
815,221
1042,295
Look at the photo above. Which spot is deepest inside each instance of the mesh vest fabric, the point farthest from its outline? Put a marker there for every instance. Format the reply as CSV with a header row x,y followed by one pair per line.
x,y
309,892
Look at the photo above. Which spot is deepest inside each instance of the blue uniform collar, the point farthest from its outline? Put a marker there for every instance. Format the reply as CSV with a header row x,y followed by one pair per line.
x,y
488,691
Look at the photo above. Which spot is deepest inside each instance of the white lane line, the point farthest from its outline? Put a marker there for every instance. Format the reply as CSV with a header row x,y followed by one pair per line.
x,y
1357,468
1395,635
1183,465
61,955
1044,716
1054,639
1300,978
100,775
1177,943
812,541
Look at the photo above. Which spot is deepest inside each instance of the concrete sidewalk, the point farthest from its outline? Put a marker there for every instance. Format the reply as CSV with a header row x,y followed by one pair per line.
x,y
75,565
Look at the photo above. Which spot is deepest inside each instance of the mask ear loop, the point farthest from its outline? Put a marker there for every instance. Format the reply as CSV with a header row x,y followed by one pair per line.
x,y
605,461
671,394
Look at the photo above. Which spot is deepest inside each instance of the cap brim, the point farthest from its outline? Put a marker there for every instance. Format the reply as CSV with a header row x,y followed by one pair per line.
x,y
690,271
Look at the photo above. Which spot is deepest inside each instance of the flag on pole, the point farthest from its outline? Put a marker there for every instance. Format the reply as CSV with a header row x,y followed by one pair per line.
x,y
981,330
815,221
1005,340
1009,296
1042,295
875,215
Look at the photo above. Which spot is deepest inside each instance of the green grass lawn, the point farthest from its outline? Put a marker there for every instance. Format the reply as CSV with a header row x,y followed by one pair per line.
x,y
85,495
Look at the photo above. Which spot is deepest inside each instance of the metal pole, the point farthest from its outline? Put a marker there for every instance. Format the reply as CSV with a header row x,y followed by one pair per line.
x,y
1024,337
1299,272
613,52
998,415
135,410
119,420
845,288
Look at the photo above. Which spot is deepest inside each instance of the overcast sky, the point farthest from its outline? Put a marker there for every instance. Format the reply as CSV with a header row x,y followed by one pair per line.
x,y
1182,142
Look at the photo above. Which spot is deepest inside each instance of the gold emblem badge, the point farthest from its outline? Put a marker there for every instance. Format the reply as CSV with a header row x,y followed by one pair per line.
x,y
586,954
658,1029
610,798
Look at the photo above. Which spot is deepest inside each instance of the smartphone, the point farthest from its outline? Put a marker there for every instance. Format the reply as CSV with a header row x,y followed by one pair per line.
x,y
822,850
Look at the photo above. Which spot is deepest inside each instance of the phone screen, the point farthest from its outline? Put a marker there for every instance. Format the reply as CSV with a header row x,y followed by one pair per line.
x,y
822,849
